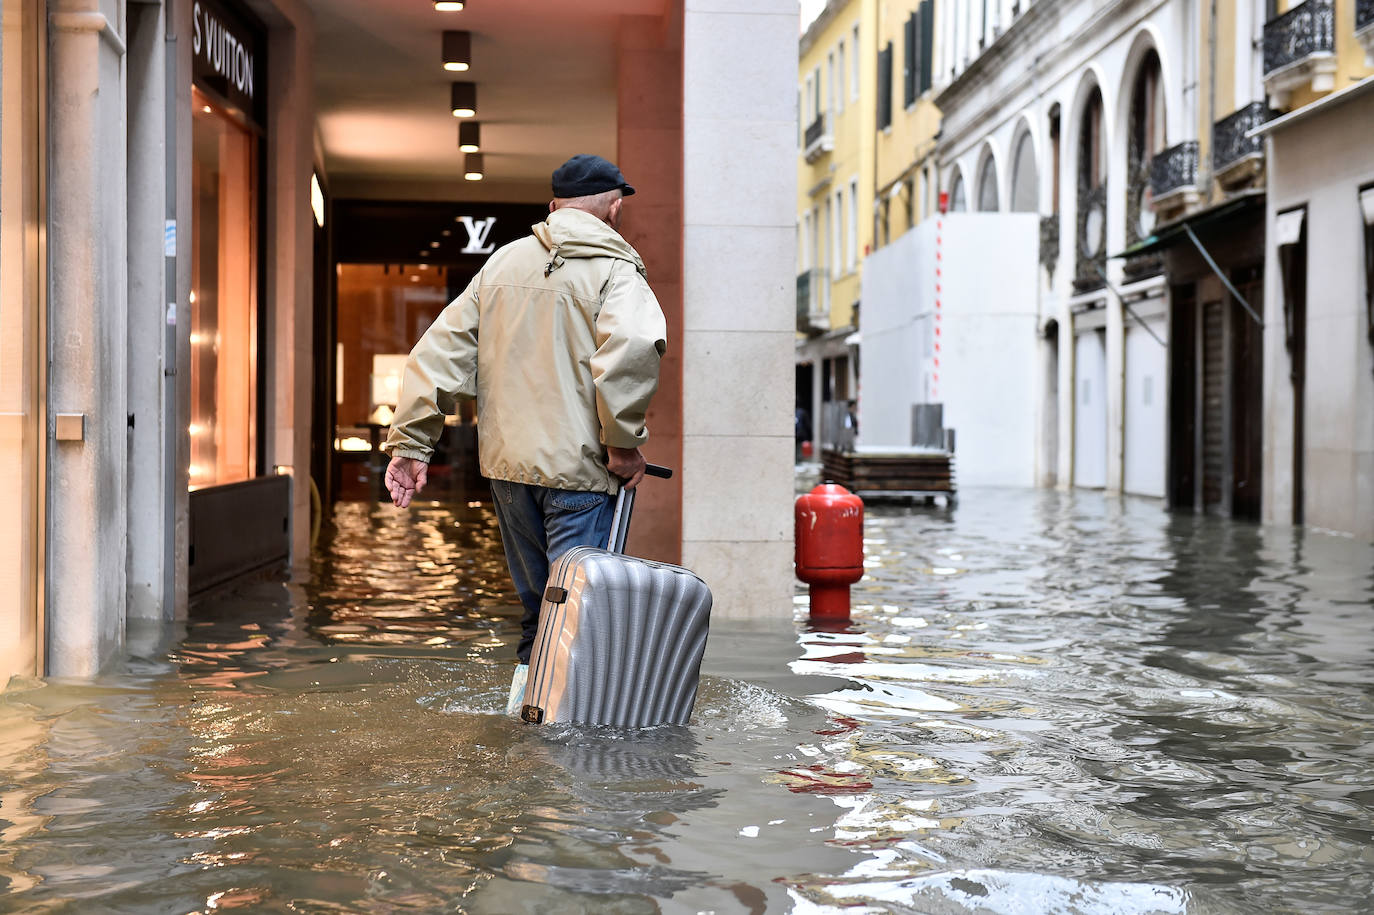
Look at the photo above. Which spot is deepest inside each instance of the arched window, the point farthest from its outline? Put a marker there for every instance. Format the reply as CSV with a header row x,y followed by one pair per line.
x,y
1146,140
1025,184
987,186
957,202
1092,197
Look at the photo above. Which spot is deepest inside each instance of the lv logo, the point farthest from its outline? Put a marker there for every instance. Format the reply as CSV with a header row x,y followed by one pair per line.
x,y
478,230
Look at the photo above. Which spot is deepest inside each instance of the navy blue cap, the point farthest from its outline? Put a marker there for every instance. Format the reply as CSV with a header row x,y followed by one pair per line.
x,y
584,175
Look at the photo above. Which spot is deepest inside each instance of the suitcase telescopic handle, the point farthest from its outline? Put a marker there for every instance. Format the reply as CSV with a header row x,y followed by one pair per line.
x,y
624,506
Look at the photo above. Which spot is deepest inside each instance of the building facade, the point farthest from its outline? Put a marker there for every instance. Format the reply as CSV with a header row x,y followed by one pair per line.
x,y
167,279
835,167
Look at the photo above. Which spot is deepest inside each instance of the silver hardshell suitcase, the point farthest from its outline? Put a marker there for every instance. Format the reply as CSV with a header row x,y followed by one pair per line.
x,y
620,639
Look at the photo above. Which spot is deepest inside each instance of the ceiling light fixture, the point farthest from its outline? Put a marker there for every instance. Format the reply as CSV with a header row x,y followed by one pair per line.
x,y
472,167
470,136
448,6
457,50
463,100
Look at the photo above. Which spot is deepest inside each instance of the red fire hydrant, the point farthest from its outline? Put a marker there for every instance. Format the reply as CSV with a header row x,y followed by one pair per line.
x,y
830,547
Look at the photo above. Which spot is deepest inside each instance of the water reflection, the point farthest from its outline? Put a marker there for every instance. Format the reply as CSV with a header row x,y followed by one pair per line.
x,y
1044,702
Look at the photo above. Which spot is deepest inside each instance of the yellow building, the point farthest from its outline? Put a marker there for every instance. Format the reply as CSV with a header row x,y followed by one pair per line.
x,y
907,121
835,167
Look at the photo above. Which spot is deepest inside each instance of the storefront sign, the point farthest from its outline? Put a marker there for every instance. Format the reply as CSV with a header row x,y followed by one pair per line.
x,y
225,53
402,232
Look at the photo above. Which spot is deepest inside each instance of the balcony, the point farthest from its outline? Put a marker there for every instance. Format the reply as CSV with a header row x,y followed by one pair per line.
x,y
818,139
1364,28
1173,179
813,301
1237,159
1299,52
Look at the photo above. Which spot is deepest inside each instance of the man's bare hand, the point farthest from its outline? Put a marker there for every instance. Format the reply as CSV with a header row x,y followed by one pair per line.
x,y
626,463
405,477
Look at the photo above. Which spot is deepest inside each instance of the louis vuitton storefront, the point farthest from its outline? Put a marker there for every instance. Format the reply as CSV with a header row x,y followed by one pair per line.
x,y
398,264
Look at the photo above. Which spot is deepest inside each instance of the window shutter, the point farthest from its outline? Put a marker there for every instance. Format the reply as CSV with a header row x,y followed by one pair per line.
x,y
927,19
885,87
909,73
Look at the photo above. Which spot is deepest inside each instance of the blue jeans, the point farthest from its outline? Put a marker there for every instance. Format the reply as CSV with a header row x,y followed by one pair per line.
x,y
538,525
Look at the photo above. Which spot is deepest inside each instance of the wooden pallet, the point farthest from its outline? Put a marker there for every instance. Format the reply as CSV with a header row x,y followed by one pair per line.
x,y
915,473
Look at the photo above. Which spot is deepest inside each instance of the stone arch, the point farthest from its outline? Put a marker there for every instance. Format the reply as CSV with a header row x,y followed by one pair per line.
x,y
1141,132
987,196
958,190
1087,140
1023,179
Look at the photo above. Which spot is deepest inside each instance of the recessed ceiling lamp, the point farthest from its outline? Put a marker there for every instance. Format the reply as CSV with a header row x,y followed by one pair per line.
x,y
472,167
448,6
457,50
470,136
463,100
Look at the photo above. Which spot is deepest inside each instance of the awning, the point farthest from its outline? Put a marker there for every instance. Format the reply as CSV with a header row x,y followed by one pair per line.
x,y
1172,233
1184,230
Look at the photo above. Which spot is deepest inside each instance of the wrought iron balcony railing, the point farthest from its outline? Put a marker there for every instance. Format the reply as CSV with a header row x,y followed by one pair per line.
x,y
1175,169
817,138
1229,141
813,300
1303,31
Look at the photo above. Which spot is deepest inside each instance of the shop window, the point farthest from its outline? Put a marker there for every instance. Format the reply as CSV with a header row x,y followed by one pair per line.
x,y
224,306
383,309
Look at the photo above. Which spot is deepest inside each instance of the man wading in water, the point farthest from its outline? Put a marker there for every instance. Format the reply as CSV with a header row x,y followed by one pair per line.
x,y
558,338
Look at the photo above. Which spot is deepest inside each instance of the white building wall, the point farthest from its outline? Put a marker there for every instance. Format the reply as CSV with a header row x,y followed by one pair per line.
x,y
1320,161
1053,54
981,362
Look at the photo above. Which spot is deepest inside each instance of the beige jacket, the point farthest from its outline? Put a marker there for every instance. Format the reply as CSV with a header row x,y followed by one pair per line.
x,y
558,337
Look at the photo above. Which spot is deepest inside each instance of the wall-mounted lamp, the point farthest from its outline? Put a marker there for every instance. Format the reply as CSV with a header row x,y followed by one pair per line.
x,y
448,6
472,167
457,51
463,100
470,137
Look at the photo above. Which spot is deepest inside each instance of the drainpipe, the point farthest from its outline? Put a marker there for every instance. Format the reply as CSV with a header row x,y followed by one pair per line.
x,y
87,342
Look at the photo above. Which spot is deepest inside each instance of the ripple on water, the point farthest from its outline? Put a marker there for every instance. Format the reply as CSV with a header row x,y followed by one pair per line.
x,y
1045,702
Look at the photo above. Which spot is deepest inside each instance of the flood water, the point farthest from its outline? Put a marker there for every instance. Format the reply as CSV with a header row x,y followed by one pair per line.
x,y
1047,702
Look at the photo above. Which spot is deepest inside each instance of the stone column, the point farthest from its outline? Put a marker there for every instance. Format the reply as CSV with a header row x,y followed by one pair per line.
x,y
287,260
87,330
149,477
739,191
649,152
